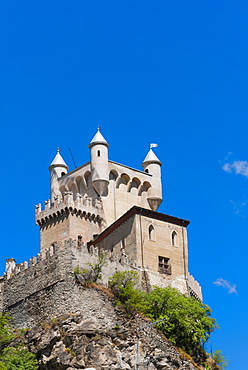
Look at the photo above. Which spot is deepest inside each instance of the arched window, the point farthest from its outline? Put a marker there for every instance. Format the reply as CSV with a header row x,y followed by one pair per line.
x,y
174,239
134,185
98,153
72,186
123,181
87,177
151,232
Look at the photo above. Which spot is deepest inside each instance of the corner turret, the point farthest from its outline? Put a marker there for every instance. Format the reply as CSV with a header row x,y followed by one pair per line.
x,y
152,165
99,163
57,168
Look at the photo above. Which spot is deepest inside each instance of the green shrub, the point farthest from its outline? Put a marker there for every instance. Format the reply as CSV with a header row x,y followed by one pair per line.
x,y
123,286
188,322
94,273
6,333
11,358
19,359
219,359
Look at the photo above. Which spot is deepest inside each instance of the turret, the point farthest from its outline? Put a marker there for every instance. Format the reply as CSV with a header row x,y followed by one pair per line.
x,y
152,165
99,163
57,168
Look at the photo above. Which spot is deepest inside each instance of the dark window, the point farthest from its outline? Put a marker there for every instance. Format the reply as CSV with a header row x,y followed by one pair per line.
x,y
164,265
151,233
174,239
98,153
147,171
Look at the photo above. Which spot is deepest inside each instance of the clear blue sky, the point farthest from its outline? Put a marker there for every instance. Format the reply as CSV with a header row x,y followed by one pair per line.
x,y
170,72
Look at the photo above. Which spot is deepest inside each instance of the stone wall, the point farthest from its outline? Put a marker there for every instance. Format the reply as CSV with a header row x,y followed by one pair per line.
x,y
46,286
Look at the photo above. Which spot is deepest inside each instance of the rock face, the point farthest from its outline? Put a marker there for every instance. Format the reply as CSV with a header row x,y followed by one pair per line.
x,y
102,339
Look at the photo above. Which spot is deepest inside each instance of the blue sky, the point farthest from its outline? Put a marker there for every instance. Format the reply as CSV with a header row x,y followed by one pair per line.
x,y
173,73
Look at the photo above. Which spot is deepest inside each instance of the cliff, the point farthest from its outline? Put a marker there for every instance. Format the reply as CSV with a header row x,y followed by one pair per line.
x,y
102,338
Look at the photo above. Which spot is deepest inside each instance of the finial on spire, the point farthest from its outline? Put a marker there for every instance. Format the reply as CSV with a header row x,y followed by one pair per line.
x,y
58,150
153,146
98,128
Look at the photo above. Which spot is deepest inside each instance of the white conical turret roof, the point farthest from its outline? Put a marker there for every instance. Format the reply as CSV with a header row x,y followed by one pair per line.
x,y
58,161
98,139
151,158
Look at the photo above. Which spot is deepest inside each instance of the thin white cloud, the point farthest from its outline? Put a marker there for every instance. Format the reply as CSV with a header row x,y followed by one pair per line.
x,y
239,206
226,284
237,167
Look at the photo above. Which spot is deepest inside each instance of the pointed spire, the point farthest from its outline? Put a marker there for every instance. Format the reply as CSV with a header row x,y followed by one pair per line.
x,y
58,161
98,139
151,158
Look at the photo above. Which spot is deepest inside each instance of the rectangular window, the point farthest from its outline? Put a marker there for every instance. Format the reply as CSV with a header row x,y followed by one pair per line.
x,y
164,265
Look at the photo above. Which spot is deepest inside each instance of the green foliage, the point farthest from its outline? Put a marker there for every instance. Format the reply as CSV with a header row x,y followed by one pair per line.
x,y
2,366
19,359
219,359
123,285
188,322
11,358
94,273
6,334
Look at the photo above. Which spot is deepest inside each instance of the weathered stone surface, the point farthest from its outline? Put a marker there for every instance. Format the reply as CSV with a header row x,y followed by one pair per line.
x,y
102,339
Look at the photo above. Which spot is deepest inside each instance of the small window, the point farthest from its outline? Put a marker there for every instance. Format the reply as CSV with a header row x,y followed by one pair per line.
x,y
151,231
98,153
164,265
62,173
147,171
174,239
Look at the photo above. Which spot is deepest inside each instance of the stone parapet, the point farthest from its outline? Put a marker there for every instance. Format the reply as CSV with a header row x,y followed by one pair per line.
x,y
82,205
194,288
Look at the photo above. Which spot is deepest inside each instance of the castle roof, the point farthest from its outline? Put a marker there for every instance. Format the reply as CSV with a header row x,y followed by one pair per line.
x,y
151,158
58,161
98,139
140,211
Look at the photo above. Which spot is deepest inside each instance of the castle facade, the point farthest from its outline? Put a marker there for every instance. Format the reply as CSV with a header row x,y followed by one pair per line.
x,y
99,206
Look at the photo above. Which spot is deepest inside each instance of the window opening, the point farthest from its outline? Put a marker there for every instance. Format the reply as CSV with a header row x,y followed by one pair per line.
x,y
164,265
174,239
80,241
151,232
98,153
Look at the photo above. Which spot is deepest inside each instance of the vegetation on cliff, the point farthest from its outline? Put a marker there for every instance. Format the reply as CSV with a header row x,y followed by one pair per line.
x,y
186,322
13,355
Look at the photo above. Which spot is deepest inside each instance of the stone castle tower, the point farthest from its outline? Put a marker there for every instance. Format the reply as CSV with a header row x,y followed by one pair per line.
x,y
99,206
87,200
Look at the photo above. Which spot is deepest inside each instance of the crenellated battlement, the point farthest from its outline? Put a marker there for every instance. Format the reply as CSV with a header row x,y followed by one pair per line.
x,y
81,206
83,252
47,280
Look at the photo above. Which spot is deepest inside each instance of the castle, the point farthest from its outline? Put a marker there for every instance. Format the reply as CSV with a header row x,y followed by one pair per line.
x,y
99,206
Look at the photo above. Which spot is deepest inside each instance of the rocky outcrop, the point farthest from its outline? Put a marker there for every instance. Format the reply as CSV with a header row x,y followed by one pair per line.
x,y
102,339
